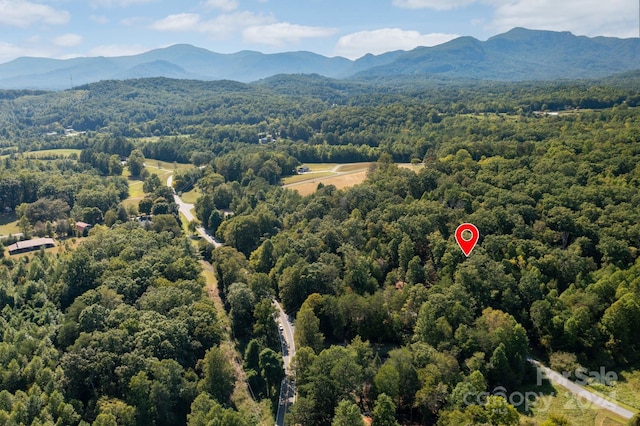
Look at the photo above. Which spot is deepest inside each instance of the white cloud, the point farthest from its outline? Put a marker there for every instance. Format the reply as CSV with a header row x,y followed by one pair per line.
x,y
117,50
431,4
254,27
177,23
117,3
227,25
618,18
224,5
223,26
585,17
9,51
98,19
283,32
24,13
355,45
134,21
68,40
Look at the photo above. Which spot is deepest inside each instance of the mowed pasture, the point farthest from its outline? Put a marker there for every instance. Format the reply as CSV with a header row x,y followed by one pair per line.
x,y
339,175
49,153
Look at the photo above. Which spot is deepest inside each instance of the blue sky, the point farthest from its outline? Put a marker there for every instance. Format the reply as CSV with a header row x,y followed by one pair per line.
x,y
349,28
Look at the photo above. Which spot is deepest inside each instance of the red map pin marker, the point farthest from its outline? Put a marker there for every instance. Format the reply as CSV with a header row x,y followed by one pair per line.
x,y
467,245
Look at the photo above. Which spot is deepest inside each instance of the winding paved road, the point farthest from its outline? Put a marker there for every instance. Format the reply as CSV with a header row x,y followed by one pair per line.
x,y
287,388
185,209
581,393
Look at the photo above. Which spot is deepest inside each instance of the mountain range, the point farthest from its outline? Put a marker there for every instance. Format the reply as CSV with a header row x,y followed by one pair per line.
x,y
517,55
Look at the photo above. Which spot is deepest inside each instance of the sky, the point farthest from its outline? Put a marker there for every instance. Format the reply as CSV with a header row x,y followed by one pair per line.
x,y
350,28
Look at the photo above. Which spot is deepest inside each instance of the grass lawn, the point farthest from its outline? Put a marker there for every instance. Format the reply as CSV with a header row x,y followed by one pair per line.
x,y
191,196
135,189
131,202
8,224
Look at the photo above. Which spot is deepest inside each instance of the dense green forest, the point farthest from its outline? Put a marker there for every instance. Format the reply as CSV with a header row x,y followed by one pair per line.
x,y
391,318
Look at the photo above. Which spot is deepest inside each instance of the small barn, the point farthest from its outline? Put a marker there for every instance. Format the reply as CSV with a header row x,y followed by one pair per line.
x,y
83,228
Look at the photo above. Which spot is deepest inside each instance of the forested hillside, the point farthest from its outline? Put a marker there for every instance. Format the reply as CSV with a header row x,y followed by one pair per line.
x,y
553,272
391,319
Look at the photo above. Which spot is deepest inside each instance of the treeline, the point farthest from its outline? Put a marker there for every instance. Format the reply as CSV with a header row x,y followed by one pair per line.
x,y
310,108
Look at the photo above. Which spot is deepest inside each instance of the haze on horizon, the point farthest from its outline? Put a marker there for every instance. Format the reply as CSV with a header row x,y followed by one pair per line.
x,y
59,29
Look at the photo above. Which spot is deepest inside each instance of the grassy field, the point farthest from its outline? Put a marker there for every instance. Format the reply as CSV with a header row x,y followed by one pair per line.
x,y
290,180
131,202
62,152
163,169
626,390
191,196
355,167
8,224
340,175
340,181
135,189
50,152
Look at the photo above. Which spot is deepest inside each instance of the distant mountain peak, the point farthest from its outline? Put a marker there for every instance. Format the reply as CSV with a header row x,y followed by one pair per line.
x,y
518,54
